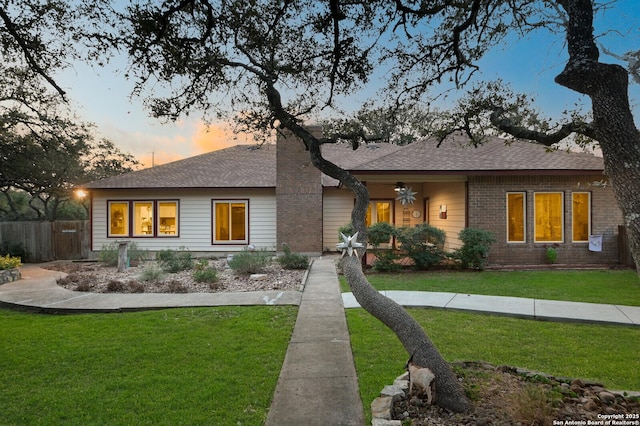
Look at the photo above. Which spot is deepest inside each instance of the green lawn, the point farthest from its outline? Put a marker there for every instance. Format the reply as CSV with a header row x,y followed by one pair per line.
x,y
605,353
173,367
620,287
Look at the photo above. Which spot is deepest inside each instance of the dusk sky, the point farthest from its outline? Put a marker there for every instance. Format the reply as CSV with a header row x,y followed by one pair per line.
x,y
530,65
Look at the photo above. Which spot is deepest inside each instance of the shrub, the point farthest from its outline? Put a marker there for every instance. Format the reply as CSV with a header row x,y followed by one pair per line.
x,y
475,247
423,244
291,260
14,250
9,262
381,233
551,254
250,262
135,286
115,286
347,230
109,254
151,273
205,275
174,261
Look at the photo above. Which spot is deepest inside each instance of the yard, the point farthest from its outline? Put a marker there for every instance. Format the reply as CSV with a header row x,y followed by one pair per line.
x,y
220,365
618,287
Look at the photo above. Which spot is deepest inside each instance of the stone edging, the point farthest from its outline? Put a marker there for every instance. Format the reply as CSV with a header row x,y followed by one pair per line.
x,y
382,406
9,275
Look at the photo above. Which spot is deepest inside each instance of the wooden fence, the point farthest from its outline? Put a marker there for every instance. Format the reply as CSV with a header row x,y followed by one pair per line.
x,y
45,241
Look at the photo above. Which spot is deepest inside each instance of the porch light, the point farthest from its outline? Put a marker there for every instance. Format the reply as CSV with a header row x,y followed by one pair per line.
x,y
399,186
81,193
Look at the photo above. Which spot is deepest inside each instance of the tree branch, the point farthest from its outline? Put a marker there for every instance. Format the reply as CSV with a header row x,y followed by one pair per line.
x,y
506,125
31,61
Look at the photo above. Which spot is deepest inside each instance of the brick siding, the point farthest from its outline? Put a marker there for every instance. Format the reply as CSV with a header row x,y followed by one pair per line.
x,y
487,210
298,196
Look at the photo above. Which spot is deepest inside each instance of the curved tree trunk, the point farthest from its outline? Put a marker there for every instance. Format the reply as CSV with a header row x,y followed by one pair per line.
x,y
613,125
449,393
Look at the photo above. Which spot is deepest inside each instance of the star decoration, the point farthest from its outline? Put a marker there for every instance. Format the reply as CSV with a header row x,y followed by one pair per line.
x,y
349,245
406,196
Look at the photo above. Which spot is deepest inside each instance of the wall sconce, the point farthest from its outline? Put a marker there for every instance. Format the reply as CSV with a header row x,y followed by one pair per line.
x,y
399,186
443,211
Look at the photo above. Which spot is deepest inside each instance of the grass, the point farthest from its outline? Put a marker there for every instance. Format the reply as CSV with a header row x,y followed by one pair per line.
x,y
620,287
604,353
170,367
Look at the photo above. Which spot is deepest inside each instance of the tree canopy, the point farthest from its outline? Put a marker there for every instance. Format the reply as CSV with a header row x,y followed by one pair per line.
x,y
44,148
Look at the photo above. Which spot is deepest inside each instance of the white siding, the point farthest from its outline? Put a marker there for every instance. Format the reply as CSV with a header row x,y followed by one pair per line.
x,y
336,212
194,218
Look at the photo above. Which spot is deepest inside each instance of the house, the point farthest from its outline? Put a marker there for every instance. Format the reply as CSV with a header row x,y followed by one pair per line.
x,y
223,201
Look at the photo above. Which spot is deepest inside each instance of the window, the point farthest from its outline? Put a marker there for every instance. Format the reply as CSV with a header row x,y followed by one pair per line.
x,y
230,221
149,218
516,208
581,216
379,211
118,219
167,218
548,217
142,218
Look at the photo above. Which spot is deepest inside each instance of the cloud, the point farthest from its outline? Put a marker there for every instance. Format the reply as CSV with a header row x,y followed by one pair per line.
x,y
207,138
153,144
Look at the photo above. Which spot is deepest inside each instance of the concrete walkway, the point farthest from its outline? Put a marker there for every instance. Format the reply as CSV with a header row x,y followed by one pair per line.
x,y
318,383
553,310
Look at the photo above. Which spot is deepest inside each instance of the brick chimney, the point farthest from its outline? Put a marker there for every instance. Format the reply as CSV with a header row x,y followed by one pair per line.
x,y
298,195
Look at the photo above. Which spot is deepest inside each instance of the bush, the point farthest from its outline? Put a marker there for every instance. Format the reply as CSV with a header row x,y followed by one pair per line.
x,y
250,262
135,286
174,261
205,275
423,244
9,262
381,233
115,286
109,253
475,247
347,230
291,260
14,250
151,273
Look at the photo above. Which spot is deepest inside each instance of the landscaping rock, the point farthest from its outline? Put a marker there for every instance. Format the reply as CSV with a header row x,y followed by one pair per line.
x,y
9,275
502,395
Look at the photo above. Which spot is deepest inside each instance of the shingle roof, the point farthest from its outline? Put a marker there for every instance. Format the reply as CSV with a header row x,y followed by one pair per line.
x,y
455,155
240,166
244,166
